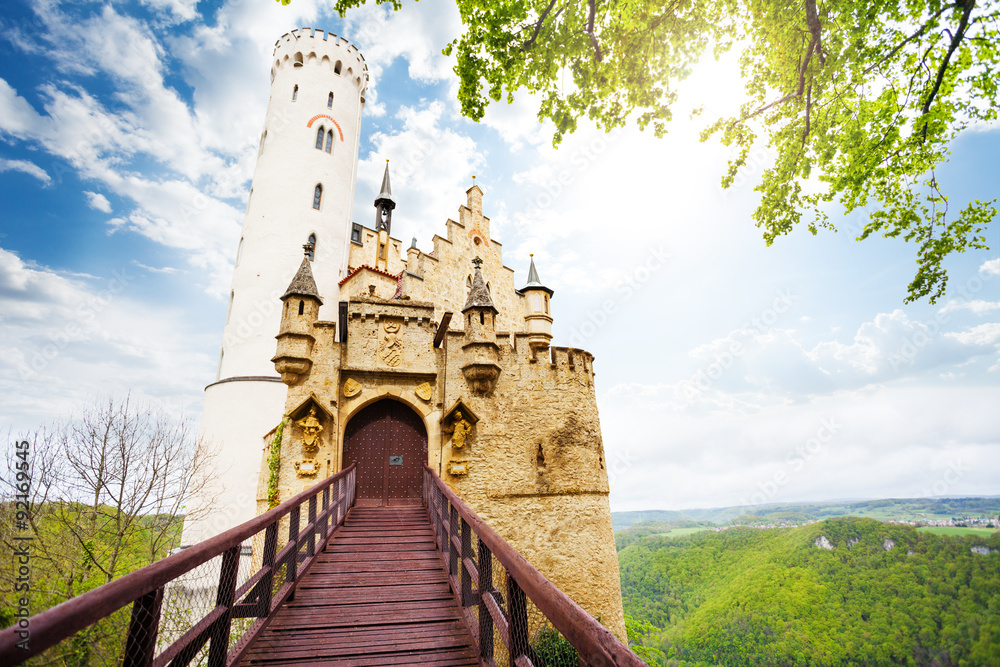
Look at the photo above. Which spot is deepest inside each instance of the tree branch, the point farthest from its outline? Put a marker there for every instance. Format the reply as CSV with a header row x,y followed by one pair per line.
x,y
912,37
590,31
538,24
956,39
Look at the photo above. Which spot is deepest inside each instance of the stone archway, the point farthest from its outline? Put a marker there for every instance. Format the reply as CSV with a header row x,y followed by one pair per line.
x,y
388,441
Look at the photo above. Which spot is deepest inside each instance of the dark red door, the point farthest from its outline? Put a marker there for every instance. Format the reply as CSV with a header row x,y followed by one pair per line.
x,y
388,441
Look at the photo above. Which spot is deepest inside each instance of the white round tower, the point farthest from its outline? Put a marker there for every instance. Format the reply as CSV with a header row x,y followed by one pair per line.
x,y
302,193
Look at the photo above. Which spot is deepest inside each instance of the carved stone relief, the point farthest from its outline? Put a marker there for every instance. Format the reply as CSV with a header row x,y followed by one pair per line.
x,y
390,348
424,391
351,387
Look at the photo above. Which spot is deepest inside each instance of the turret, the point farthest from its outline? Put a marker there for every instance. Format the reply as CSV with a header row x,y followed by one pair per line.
x,y
537,311
480,346
384,205
299,311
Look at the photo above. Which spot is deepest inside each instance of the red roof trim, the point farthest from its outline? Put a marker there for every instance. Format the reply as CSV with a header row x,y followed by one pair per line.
x,y
372,269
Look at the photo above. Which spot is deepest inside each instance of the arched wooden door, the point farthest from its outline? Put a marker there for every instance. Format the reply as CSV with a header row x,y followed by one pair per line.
x,y
388,441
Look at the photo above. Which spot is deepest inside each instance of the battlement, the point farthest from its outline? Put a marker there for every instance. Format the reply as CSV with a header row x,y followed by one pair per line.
x,y
305,47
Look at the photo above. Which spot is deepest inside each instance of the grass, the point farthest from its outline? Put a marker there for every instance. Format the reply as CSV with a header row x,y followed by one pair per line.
x,y
956,530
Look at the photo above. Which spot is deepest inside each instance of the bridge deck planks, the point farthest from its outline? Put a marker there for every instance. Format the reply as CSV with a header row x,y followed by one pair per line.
x,y
378,595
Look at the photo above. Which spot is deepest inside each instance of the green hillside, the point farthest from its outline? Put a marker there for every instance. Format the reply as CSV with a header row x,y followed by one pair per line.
x,y
883,595
896,509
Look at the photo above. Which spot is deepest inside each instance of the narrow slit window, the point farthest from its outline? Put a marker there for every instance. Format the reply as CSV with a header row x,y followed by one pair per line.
x,y
329,101
302,307
337,67
312,247
317,196
295,93
329,141
319,137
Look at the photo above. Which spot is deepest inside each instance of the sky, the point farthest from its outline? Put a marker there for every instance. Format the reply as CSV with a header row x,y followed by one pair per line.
x,y
728,372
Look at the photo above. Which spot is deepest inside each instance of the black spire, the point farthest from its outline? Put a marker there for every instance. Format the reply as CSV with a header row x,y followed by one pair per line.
x,y
384,204
303,284
479,296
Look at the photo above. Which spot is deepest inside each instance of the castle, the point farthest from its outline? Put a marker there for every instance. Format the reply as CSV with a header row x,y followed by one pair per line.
x,y
339,350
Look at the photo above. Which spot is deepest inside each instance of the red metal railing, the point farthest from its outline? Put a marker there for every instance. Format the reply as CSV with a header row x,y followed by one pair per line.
x,y
526,621
258,597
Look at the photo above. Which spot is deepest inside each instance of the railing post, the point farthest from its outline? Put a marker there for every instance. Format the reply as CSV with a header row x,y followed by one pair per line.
x,y
142,629
467,598
225,597
485,589
292,564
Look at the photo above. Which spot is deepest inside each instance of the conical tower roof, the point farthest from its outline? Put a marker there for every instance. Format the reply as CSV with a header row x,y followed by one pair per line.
x,y
303,284
533,281
479,296
385,194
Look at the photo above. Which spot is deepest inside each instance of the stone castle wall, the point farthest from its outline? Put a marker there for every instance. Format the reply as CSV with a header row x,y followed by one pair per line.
x,y
533,464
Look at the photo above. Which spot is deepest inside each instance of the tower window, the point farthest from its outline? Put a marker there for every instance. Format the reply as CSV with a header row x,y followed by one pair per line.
x,y
312,249
337,67
317,196
356,233
263,138
302,307
239,252
329,141
319,137
329,101
546,304
295,92
229,310
297,60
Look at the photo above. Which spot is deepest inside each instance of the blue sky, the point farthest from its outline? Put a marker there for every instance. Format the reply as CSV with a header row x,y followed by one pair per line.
x,y
727,372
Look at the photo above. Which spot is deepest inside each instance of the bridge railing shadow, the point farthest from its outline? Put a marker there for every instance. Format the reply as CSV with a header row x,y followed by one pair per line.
x,y
515,615
203,605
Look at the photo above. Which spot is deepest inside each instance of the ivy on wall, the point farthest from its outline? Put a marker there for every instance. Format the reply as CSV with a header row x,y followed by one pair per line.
x,y
273,465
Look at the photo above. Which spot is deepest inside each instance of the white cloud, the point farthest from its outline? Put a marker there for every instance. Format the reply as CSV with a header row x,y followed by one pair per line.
x,y
27,167
977,306
66,337
97,201
984,334
991,267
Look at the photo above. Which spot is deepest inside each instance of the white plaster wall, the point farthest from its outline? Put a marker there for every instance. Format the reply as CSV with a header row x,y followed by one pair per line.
x,y
236,417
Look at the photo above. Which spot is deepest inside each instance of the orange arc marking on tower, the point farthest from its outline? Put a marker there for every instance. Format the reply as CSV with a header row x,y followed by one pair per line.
x,y
323,115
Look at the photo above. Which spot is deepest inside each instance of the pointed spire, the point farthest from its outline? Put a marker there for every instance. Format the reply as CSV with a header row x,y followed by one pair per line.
x,y
303,284
479,296
533,280
386,191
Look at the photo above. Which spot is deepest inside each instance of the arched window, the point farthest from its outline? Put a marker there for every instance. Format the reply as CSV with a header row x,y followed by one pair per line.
x,y
263,138
239,249
302,307
329,141
317,196
336,68
312,252
537,298
229,310
295,92
329,101
319,137
297,60
218,372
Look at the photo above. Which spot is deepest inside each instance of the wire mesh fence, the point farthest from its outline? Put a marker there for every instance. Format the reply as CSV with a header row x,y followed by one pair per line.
x,y
200,606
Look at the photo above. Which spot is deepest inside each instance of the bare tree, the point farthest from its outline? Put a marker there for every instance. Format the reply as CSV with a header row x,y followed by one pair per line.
x,y
106,496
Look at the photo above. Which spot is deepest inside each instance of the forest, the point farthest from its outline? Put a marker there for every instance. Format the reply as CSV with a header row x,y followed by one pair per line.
x,y
844,591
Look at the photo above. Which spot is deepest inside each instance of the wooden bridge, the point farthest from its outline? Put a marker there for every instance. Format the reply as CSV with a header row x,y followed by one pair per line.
x,y
429,584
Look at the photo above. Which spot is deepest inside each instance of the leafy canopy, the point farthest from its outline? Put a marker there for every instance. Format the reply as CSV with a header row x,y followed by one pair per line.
x,y
857,100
